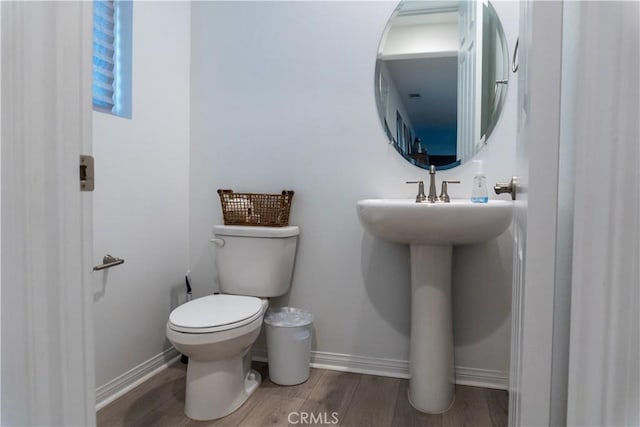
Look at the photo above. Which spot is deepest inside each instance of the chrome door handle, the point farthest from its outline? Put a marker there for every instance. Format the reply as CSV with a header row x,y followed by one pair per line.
x,y
107,262
510,188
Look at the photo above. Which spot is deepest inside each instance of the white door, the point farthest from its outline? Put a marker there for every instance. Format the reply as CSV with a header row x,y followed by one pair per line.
x,y
519,224
535,228
47,328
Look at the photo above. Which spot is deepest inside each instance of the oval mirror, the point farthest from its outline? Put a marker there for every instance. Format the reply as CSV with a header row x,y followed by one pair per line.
x,y
441,79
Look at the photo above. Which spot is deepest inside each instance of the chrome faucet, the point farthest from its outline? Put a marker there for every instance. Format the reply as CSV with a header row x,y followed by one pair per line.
x,y
433,196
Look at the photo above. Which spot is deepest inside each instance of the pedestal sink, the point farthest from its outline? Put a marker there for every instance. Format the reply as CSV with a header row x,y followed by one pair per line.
x,y
432,229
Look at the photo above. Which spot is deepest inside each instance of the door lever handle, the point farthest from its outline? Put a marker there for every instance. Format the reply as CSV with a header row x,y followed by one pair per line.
x,y
510,188
107,262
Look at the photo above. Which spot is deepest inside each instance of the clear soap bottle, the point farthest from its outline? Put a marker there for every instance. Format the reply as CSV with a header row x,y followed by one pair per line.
x,y
479,192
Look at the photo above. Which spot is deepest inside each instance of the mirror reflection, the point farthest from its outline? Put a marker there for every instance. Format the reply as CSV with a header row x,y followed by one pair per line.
x,y
441,79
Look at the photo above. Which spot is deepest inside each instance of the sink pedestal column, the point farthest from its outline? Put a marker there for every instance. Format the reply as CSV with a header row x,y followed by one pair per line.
x,y
432,376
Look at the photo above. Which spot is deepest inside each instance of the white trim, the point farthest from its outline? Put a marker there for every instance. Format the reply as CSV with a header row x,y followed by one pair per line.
x,y
126,382
395,368
347,363
488,378
360,364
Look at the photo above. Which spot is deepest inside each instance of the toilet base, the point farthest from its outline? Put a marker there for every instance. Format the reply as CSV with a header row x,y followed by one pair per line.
x,y
216,389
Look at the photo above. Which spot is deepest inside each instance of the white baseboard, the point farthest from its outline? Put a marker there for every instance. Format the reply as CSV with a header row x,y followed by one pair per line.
x,y
347,363
395,368
115,388
488,378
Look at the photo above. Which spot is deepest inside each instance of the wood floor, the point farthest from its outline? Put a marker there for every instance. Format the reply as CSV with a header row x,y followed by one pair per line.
x,y
358,400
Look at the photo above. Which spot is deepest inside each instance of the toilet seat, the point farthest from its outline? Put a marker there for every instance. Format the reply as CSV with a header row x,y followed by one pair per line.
x,y
215,313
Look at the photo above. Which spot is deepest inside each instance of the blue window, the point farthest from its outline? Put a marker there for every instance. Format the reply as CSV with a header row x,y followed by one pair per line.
x,y
112,57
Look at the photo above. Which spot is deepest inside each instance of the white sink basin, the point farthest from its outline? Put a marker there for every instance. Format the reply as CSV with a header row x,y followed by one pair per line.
x,y
431,230
457,223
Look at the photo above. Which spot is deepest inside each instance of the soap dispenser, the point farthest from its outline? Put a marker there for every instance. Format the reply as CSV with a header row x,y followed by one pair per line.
x,y
479,192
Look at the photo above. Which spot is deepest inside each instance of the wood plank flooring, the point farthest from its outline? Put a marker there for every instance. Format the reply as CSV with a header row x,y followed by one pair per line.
x,y
356,400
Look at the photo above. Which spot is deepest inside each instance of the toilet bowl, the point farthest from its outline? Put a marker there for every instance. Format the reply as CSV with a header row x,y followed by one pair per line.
x,y
216,331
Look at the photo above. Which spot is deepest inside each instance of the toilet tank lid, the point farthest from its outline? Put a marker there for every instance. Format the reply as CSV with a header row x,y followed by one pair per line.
x,y
250,231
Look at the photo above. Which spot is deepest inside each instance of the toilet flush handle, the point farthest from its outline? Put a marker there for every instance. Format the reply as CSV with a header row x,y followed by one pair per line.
x,y
219,242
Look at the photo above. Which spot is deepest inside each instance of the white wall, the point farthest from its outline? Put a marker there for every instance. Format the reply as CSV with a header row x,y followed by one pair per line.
x,y
282,97
141,197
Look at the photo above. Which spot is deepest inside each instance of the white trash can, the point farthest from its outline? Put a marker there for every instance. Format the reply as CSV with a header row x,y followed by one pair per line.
x,y
288,344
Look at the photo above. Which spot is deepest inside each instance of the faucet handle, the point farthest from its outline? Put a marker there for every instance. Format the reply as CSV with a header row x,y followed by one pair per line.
x,y
421,196
444,196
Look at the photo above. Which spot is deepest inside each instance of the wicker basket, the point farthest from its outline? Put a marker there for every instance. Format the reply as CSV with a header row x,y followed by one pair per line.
x,y
265,210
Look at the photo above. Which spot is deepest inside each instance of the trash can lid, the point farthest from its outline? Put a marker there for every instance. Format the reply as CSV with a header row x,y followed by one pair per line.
x,y
288,317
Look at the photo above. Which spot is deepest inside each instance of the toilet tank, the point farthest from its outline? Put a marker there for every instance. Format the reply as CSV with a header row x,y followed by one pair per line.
x,y
255,261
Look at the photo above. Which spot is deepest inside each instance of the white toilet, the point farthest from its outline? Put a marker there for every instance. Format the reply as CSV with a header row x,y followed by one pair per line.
x,y
216,332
